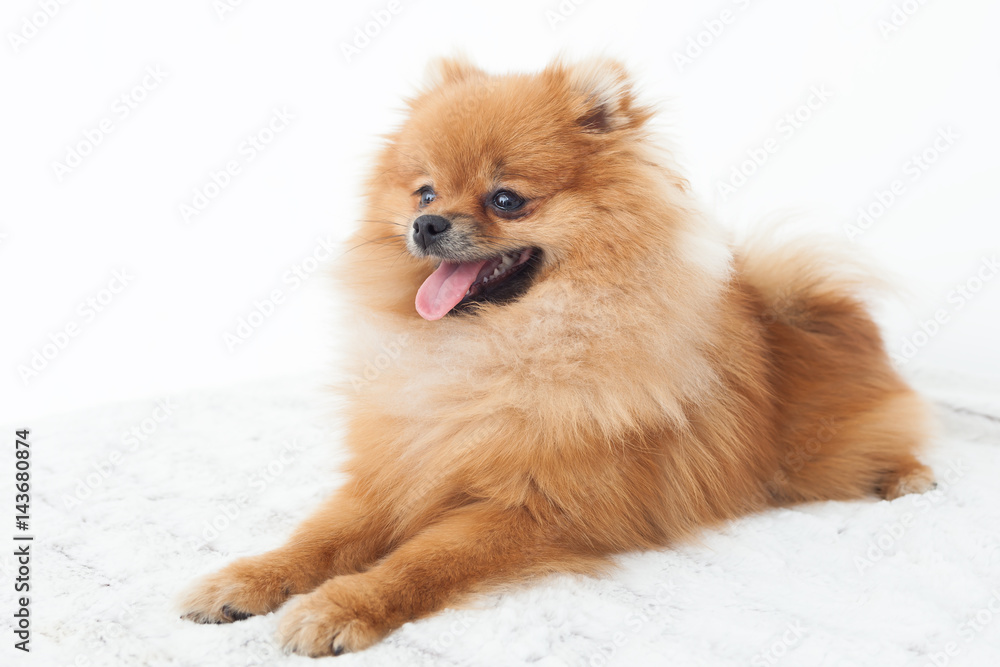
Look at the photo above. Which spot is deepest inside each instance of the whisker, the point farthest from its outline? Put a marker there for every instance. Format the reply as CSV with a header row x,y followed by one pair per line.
x,y
388,170
402,253
416,162
383,238
379,208
385,222
505,247
500,238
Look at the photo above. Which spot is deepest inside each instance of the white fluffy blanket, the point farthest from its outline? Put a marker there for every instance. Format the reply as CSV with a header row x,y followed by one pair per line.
x,y
130,503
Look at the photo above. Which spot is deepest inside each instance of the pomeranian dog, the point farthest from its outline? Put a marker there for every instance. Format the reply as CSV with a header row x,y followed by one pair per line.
x,y
582,366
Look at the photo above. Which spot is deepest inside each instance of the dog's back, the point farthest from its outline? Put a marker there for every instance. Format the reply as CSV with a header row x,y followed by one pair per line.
x,y
848,425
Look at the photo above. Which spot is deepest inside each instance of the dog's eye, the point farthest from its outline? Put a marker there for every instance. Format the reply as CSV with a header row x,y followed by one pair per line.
x,y
507,201
426,195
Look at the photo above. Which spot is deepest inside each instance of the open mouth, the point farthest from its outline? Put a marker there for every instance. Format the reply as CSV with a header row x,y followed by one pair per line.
x,y
455,285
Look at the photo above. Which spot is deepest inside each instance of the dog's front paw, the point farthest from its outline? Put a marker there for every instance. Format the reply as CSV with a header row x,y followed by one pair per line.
x,y
331,620
245,588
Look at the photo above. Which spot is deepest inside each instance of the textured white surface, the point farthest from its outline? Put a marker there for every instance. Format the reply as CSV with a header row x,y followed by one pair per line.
x,y
861,583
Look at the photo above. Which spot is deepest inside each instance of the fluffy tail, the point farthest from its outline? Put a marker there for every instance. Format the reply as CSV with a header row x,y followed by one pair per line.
x,y
806,281
849,425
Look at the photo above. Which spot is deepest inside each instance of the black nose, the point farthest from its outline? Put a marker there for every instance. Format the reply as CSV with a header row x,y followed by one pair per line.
x,y
428,228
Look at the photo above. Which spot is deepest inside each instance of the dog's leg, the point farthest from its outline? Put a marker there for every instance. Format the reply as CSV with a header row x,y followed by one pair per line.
x,y
342,537
468,550
854,455
907,476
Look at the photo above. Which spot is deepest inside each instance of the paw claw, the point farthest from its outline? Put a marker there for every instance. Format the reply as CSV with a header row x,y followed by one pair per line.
x,y
234,614
917,480
236,593
328,621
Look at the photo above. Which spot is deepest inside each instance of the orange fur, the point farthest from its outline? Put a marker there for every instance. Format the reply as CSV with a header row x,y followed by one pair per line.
x,y
651,381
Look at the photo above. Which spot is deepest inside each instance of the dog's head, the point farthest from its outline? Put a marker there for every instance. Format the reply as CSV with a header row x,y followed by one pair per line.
x,y
492,181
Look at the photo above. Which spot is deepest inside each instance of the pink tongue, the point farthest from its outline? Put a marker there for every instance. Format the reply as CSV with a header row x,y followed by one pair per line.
x,y
444,288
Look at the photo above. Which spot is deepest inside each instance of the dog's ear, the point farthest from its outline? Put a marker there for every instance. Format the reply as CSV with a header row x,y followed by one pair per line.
x,y
607,95
442,71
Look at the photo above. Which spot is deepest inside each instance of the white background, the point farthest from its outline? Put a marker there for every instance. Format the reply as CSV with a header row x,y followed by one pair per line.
x,y
61,241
